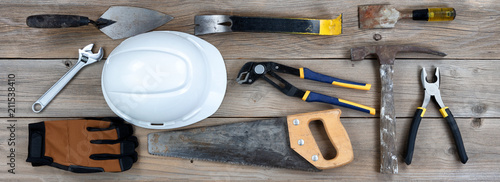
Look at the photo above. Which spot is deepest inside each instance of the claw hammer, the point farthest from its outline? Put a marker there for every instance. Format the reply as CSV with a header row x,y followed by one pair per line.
x,y
386,55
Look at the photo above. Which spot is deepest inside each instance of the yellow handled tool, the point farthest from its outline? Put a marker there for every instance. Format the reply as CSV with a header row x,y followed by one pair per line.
x,y
434,14
385,16
208,24
252,71
432,91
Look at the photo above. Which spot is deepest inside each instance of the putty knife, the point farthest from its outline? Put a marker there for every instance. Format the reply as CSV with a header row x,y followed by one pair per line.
x,y
386,16
117,22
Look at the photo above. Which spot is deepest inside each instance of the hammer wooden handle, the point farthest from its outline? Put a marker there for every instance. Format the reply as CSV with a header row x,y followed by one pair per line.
x,y
388,153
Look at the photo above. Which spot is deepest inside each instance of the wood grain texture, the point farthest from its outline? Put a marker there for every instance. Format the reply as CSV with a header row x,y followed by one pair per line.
x,y
472,35
334,130
469,86
434,159
466,88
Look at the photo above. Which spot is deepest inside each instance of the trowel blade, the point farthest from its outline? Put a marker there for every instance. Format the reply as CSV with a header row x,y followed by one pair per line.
x,y
130,21
377,16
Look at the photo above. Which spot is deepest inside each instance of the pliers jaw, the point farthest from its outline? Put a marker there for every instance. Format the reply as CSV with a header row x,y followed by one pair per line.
x,y
252,71
431,89
248,74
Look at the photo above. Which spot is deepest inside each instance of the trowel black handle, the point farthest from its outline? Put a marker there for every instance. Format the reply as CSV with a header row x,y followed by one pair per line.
x,y
56,21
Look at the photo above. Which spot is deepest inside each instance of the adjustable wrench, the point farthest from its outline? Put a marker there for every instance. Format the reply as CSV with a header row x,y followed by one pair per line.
x,y
85,58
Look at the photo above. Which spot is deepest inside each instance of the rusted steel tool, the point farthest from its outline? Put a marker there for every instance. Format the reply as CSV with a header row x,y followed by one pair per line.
x,y
431,90
285,142
386,56
386,16
208,24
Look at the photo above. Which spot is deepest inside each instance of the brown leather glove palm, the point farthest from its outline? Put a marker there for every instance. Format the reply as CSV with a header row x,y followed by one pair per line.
x,y
82,146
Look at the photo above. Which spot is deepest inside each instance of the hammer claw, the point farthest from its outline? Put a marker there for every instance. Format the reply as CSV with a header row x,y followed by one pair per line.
x,y
387,53
409,48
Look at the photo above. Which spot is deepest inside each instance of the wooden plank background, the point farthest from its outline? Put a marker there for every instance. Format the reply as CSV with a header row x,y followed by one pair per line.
x,y
39,57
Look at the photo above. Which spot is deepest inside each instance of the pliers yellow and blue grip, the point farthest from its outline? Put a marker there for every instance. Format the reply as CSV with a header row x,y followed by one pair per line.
x,y
306,73
316,97
252,71
446,113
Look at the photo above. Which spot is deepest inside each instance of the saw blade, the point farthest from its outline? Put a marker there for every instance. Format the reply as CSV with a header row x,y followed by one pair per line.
x,y
258,143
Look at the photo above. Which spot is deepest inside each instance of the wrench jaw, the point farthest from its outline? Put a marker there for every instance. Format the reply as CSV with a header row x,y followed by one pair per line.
x,y
88,56
87,48
96,57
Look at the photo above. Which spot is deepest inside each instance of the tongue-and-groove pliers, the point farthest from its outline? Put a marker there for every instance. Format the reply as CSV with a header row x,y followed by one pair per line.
x,y
251,71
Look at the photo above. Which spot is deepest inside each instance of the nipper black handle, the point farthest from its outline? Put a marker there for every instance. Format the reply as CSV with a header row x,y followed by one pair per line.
x,y
456,133
413,134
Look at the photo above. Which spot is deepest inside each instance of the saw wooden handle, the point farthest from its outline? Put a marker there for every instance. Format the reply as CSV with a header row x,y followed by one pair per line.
x,y
303,142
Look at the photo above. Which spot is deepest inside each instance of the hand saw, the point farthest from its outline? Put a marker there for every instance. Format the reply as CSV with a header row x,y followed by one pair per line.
x,y
285,142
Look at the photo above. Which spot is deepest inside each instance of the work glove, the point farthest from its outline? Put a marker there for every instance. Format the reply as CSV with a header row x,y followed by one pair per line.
x,y
82,146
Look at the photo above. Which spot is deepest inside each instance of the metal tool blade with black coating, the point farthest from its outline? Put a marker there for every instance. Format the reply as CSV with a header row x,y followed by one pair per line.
x,y
259,143
208,24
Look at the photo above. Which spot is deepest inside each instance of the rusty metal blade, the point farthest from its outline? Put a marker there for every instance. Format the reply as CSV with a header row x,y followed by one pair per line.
x,y
377,16
130,21
259,143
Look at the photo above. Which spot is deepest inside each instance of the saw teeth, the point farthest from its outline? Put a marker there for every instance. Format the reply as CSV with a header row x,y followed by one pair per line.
x,y
237,143
232,163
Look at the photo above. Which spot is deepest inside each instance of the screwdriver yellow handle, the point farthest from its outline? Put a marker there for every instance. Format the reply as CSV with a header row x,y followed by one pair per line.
x,y
434,14
441,14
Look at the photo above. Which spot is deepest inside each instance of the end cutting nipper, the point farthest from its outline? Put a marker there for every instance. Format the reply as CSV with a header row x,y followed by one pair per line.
x,y
432,91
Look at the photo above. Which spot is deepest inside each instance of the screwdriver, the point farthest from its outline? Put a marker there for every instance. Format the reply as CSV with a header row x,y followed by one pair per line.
x,y
434,14
386,16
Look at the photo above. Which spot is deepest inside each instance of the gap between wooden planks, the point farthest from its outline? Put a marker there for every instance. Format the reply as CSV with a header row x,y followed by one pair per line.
x,y
434,159
472,35
467,88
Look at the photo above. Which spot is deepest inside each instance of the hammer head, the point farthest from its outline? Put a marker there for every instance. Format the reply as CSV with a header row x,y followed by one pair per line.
x,y
387,53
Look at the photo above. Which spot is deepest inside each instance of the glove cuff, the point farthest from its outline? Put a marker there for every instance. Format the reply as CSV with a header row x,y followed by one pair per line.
x,y
36,146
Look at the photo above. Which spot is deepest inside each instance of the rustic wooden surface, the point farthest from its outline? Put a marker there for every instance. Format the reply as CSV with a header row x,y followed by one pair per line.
x,y
469,86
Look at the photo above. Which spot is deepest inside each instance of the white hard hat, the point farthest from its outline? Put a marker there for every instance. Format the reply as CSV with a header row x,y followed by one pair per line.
x,y
164,80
